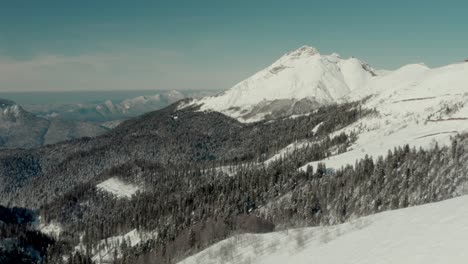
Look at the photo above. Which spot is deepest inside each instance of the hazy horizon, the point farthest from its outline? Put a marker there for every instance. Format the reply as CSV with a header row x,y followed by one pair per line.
x,y
69,46
71,97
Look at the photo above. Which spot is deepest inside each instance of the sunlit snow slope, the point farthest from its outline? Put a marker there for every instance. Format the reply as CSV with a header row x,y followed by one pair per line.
x,y
414,105
430,234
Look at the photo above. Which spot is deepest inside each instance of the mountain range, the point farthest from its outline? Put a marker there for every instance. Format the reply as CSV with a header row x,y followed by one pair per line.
x,y
111,111
22,129
312,141
34,125
414,104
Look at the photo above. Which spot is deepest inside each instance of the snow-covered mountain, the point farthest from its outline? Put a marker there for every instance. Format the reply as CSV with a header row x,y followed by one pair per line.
x,y
125,173
140,104
111,111
413,105
19,128
306,75
432,233
303,75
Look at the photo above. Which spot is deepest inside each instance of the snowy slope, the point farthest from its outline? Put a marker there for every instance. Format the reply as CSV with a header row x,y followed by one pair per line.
x,y
415,105
300,74
430,234
118,188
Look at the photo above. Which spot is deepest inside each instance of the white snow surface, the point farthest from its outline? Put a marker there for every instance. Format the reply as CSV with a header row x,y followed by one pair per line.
x,y
415,105
52,229
118,188
303,73
434,233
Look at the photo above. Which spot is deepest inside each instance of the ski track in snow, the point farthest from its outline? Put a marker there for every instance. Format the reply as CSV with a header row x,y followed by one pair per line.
x,y
434,233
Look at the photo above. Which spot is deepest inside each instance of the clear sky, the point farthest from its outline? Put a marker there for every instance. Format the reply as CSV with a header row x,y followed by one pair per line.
x,y
207,44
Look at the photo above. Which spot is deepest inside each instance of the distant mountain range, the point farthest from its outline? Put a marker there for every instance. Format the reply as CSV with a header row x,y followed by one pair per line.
x,y
112,110
22,129
311,141
35,125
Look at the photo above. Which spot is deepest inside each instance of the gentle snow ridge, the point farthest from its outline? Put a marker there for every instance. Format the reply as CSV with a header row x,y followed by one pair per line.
x,y
414,105
434,233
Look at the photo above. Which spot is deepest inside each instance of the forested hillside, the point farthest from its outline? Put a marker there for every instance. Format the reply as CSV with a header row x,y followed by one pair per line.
x,y
189,179
167,136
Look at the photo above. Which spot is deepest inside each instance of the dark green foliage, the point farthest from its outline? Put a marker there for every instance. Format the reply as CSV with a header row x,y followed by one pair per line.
x,y
16,215
194,137
191,202
19,241
179,201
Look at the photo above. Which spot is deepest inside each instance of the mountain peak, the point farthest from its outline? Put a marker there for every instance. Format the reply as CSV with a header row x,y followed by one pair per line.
x,y
303,74
4,103
9,109
304,51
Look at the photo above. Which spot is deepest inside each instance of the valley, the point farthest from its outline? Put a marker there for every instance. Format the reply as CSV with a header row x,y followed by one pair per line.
x,y
307,157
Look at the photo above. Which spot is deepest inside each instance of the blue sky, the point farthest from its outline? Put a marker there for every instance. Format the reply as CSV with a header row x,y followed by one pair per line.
x,y
102,45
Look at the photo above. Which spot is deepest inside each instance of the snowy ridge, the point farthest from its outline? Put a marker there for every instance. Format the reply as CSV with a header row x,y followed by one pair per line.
x,y
128,103
118,188
415,105
429,234
9,110
301,74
